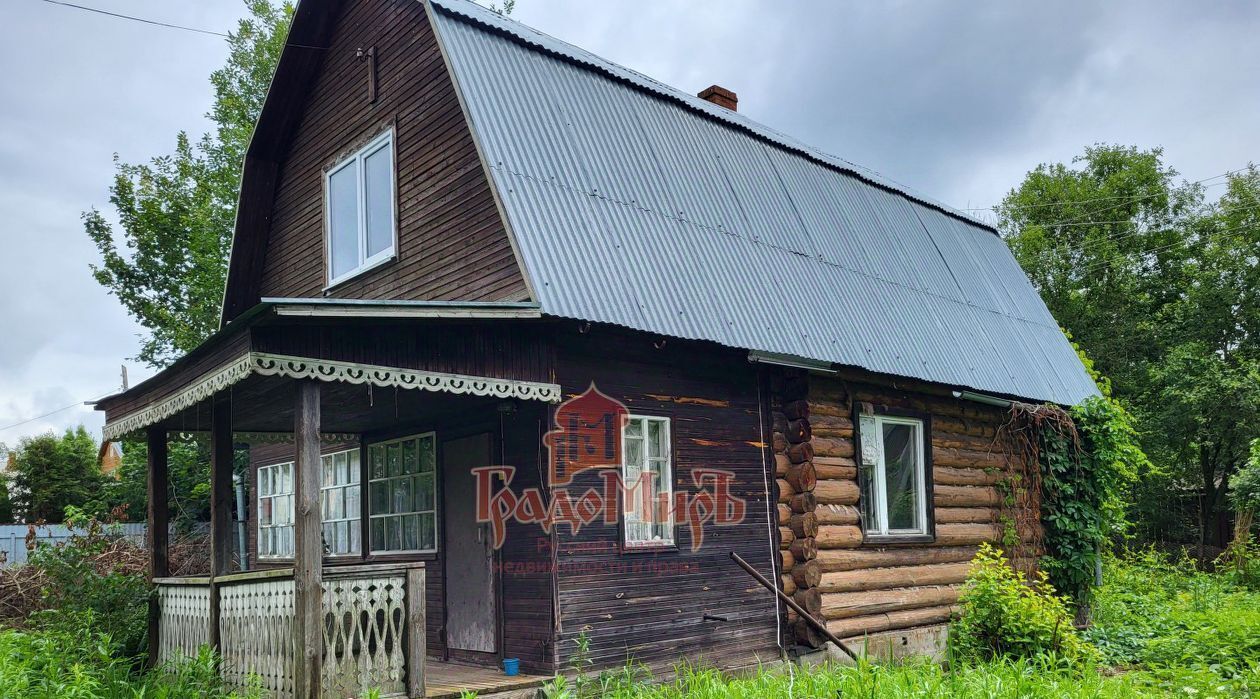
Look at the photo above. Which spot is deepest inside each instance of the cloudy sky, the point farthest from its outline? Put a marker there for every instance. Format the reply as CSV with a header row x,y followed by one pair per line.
x,y
954,99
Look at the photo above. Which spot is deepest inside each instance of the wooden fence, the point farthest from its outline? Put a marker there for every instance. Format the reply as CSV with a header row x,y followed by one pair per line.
x,y
373,628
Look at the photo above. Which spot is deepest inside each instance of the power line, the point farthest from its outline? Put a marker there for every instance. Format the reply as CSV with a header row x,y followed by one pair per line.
x,y
135,19
166,25
41,417
1099,264
1129,197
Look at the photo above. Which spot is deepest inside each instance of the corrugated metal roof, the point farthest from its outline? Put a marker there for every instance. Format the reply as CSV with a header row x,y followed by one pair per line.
x,y
633,203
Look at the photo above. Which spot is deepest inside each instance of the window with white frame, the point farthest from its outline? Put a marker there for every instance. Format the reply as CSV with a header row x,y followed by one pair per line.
x,y
402,494
339,506
647,476
339,503
275,511
359,210
893,476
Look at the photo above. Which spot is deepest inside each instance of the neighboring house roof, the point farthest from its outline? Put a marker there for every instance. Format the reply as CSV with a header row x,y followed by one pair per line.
x,y
109,458
636,204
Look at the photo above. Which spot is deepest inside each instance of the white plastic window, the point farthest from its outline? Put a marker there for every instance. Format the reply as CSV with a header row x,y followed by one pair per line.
x,y
894,487
359,210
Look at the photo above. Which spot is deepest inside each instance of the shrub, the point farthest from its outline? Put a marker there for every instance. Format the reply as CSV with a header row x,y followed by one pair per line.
x,y
1170,617
76,660
79,578
1005,616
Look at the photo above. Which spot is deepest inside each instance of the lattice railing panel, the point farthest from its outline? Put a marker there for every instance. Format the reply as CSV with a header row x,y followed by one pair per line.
x,y
185,620
256,633
365,631
364,623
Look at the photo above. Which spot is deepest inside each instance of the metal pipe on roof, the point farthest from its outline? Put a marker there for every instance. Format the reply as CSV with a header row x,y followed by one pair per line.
x,y
982,398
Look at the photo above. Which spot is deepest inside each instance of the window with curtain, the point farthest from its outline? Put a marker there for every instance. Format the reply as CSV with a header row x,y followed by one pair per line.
x,y
338,504
359,210
647,475
402,494
893,476
275,511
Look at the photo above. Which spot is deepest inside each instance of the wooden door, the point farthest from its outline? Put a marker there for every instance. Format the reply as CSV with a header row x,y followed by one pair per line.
x,y
471,601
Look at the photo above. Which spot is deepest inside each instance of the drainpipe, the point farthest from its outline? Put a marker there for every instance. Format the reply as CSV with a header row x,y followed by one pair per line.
x,y
240,521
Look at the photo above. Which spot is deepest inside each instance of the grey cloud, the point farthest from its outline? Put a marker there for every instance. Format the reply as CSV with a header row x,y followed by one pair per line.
x,y
955,99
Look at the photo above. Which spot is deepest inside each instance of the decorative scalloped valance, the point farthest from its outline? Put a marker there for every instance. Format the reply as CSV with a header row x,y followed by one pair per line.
x,y
264,364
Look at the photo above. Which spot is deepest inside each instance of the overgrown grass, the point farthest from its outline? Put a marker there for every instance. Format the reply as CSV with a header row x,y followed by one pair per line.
x,y
60,663
1162,628
1166,615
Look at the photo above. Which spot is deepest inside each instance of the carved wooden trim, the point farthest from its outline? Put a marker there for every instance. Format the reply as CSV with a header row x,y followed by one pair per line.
x,y
263,364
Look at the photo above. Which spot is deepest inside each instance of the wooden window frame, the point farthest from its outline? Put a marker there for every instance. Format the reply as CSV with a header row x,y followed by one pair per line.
x,y
383,141
927,507
667,480
358,516
272,558
273,495
368,516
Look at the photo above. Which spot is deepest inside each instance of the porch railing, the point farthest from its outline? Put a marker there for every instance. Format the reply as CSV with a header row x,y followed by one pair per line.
x,y
373,628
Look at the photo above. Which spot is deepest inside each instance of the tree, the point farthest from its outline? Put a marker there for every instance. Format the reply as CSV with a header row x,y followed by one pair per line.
x,y
188,471
6,502
55,472
1160,288
177,211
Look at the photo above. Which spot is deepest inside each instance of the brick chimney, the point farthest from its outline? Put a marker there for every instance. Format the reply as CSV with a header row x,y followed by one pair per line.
x,y
720,96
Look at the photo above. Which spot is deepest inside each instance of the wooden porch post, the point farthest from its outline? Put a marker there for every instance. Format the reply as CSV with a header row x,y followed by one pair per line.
x,y
308,550
158,517
221,466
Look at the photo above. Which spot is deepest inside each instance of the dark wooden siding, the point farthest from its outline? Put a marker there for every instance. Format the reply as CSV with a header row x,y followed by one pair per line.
x,y
452,244
525,581
651,607
525,575
203,362
505,350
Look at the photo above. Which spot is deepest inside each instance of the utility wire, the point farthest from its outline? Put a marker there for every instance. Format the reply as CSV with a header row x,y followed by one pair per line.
x,y
167,25
1130,197
41,417
1099,264
135,19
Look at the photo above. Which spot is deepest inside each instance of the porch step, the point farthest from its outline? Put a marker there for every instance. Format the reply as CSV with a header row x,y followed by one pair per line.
x,y
446,680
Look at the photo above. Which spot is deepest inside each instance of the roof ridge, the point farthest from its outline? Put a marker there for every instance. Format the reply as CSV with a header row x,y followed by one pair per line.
x,y
471,11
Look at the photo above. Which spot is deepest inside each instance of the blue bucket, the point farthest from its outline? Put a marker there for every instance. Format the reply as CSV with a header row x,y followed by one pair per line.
x,y
511,666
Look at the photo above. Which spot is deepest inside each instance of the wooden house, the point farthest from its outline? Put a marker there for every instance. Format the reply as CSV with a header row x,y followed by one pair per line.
x,y
476,271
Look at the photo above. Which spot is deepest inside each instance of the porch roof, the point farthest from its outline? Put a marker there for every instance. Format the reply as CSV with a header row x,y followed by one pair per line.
x,y
258,382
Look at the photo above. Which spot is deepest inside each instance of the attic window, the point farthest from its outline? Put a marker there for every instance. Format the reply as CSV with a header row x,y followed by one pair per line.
x,y
359,210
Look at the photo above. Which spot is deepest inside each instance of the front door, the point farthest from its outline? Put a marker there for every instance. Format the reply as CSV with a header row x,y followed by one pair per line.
x,y
471,606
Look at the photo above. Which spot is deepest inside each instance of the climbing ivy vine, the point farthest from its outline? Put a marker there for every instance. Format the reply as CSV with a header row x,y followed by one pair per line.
x,y
1086,460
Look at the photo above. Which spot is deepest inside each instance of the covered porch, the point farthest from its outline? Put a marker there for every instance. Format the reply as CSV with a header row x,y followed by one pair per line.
x,y
364,565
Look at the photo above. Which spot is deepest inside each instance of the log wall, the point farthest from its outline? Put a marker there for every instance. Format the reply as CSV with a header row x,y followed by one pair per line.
x,y
828,567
